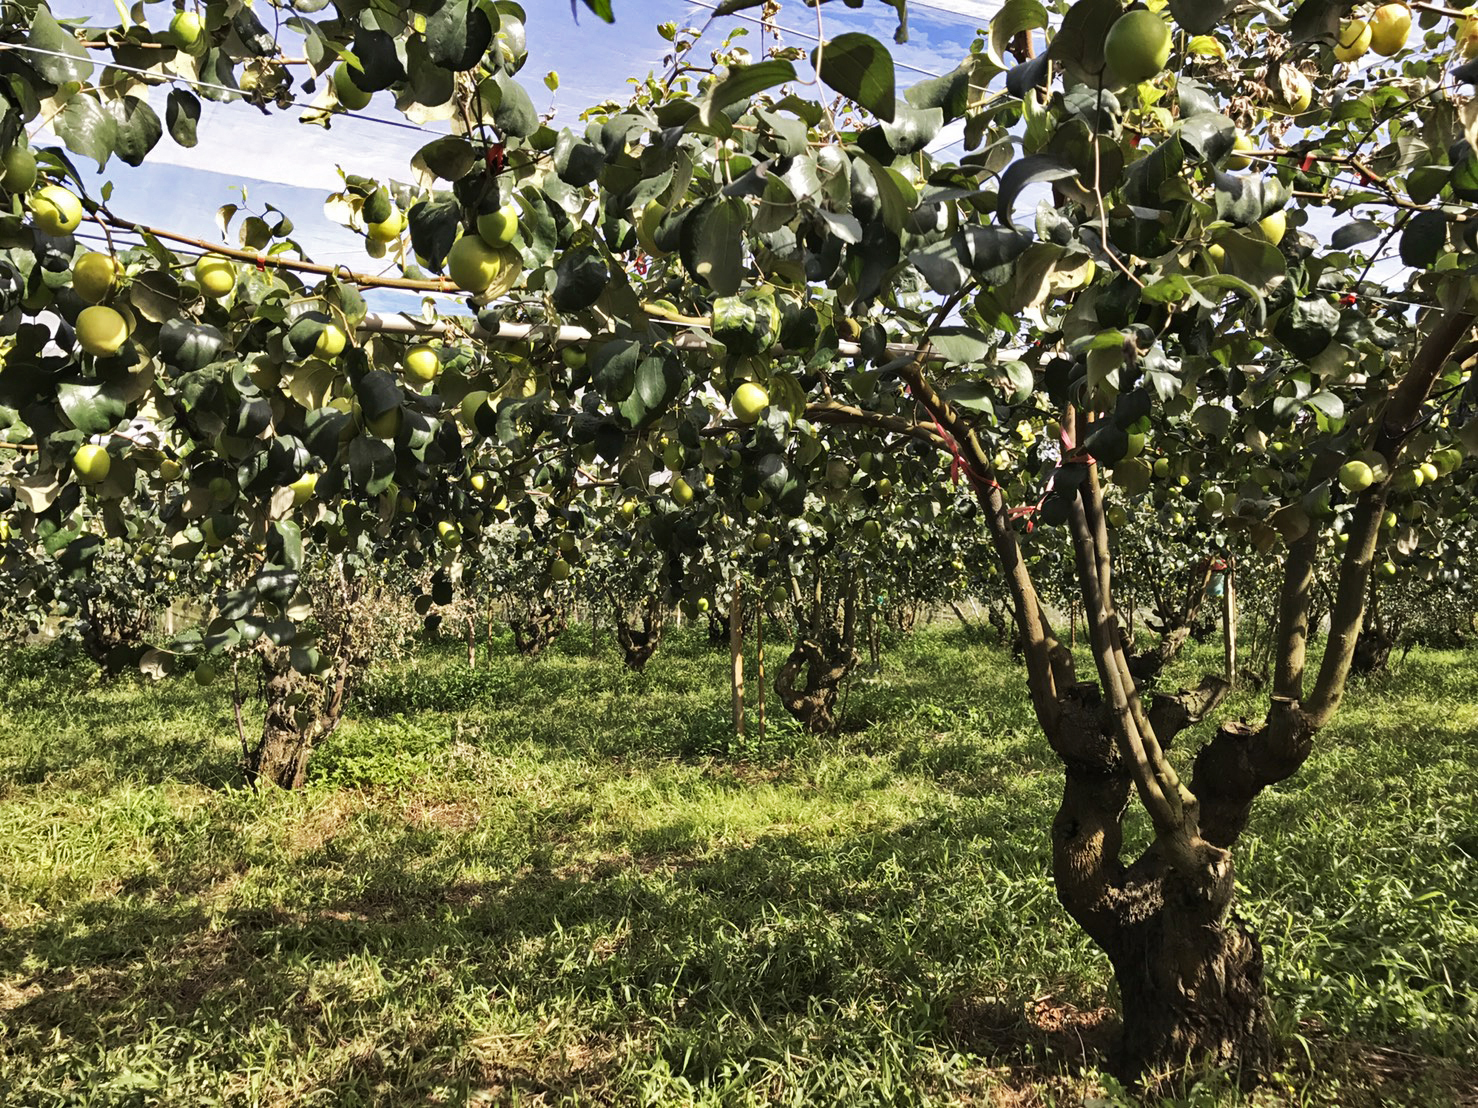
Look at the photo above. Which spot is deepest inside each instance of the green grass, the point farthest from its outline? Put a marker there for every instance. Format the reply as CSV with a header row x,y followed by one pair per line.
x,y
550,882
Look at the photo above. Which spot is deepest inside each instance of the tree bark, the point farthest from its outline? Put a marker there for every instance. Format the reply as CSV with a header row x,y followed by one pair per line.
x,y
638,646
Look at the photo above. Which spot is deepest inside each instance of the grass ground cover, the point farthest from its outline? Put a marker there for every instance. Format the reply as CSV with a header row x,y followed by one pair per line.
x,y
556,881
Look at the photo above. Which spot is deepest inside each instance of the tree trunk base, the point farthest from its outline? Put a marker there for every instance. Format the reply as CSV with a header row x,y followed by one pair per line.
x,y
1192,1000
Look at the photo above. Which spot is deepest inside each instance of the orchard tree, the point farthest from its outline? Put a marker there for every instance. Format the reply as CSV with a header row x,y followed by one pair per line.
x,y
1162,228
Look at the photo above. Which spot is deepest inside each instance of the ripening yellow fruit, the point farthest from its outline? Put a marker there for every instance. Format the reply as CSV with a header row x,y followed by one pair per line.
x,y
91,463
351,97
94,275
331,341
216,275
1274,227
57,211
422,362
1354,41
101,331
1390,25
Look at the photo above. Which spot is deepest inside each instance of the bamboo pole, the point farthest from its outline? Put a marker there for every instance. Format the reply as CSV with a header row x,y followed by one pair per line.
x,y
1229,624
736,653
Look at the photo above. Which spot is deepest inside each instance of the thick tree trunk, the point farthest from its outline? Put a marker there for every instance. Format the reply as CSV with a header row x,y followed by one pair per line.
x,y
1189,973
534,631
638,646
281,756
300,711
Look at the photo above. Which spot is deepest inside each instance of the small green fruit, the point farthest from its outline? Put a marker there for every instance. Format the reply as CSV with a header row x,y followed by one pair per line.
x,y
351,97
91,463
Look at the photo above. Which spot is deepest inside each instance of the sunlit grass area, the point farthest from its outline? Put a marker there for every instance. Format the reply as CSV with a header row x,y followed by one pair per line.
x,y
558,882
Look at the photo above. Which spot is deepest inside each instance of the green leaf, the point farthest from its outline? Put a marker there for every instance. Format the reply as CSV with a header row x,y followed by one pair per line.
x,y
1014,17
1031,170
371,464
960,345
434,223
860,68
92,408
602,9
87,128
138,129
450,158
47,34
949,93
516,115
1353,234
741,83
1423,239
458,35
713,244
580,277
1307,326
182,116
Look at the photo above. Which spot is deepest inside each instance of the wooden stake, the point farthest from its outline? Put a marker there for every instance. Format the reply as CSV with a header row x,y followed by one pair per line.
x,y
1229,624
736,653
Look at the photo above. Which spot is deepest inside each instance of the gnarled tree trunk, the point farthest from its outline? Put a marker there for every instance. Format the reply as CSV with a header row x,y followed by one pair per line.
x,y
537,628
638,646
809,679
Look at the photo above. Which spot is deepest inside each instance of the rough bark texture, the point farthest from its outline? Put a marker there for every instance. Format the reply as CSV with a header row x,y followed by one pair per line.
x,y
300,712
1189,973
810,678
536,629
638,645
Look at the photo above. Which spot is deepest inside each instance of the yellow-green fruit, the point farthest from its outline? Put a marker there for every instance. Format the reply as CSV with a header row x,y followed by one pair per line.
x,y
101,331
57,210
1237,160
1137,47
566,543
473,265
384,426
1162,467
1213,499
1467,35
449,534
559,570
216,529
205,674
1445,461
216,275
222,489
422,363
331,341
760,542
628,510
1297,93
750,402
1429,472
169,469
1407,480
573,357
304,488
500,227
351,96
1354,41
703,603
1356,476
185,29
872,530
1390,24
19,166
93,276
91,463
471,404
1388,569
1136,445
1273,227
682,492
1116,516
387,230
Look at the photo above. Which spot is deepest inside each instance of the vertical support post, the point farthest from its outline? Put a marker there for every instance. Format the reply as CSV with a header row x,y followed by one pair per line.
x,y
759,656
736,652
1072,608
471,643
1229,624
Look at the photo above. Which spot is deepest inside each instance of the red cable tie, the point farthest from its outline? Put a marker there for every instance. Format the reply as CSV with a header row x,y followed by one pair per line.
x,y
261,263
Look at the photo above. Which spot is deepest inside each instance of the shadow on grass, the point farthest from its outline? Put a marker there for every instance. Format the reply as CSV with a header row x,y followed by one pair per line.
x,y
706,962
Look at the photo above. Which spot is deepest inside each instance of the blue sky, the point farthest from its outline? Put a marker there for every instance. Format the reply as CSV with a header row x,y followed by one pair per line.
x,y
276,159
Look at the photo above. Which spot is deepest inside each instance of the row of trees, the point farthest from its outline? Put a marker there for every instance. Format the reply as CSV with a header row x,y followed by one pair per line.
x,y
742,308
